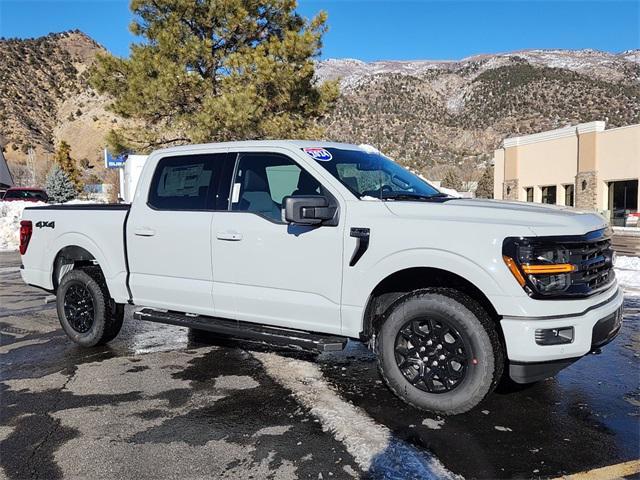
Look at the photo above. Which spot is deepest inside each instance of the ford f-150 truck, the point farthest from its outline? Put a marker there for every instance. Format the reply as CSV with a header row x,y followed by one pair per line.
x,y
313,243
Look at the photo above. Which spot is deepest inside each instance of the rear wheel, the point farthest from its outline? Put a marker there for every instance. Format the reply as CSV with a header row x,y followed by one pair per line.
x,y
85,311
439,351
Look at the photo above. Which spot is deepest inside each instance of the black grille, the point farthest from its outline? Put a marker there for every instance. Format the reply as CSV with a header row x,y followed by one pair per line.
x,y
594,261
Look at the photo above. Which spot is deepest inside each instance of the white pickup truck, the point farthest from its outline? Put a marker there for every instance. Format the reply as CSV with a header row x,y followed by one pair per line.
x,y
313,243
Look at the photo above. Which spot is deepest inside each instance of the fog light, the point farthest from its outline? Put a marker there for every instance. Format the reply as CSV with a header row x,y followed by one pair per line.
x,y
554,336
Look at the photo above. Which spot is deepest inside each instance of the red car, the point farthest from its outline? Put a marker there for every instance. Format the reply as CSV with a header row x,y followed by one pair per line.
x,y
26,194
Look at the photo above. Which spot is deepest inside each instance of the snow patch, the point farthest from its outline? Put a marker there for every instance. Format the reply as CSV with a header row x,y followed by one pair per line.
x,y
502,429
10,215
433,424
628,274
372,445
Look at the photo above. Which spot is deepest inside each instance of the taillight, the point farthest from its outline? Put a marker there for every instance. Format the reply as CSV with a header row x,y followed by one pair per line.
x,y
26,229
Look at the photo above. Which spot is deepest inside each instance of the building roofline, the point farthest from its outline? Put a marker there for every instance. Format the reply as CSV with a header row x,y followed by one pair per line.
x,y
633,125
582,128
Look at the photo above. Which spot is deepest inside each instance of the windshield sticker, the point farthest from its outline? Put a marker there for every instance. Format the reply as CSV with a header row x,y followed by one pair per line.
x,y
320,154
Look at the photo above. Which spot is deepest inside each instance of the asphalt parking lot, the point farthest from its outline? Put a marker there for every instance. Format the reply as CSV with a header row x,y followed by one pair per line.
x,y
165,402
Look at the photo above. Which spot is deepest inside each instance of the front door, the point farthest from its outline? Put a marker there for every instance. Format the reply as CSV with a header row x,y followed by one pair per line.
x,y
169,235
267,271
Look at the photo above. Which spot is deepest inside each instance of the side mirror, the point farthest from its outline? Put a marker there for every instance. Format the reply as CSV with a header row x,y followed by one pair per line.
x,y
307,209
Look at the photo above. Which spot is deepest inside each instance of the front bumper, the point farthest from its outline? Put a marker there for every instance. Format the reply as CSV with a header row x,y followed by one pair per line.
x,y
593,328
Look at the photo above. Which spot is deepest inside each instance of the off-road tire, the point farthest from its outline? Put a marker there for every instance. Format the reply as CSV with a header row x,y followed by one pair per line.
x,y
471,321
107,316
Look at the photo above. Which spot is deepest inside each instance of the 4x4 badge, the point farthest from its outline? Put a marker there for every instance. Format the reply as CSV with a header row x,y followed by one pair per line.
x,y
43,224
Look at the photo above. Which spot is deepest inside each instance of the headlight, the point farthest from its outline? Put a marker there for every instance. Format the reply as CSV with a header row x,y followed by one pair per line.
x,y
540,269
551,283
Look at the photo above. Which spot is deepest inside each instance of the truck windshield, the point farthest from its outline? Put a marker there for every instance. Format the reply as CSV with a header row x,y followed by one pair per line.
x,y
369,174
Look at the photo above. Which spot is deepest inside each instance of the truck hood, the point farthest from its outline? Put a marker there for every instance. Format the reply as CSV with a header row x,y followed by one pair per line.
x,y
541,219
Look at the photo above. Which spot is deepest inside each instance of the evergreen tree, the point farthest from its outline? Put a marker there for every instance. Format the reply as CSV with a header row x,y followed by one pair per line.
x,y
67,164
485,184
452,180
216,70
59,186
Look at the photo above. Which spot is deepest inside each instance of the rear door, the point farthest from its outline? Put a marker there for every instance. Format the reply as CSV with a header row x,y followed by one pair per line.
x,y
169,233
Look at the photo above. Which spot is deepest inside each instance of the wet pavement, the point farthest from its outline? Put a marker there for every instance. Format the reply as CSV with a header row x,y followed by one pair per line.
x,y
162,401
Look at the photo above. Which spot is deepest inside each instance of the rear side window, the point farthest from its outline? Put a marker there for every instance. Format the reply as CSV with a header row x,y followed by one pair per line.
x,y
191,182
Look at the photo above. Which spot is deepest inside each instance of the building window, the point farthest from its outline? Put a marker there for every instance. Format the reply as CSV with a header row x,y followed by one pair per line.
x,y
549,195
529,192
623,203
568,195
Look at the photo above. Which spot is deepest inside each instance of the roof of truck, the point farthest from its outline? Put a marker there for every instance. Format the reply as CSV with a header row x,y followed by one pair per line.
x,y
264,143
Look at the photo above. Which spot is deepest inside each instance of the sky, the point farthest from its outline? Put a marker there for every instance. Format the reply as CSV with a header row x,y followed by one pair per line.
x,y
381,29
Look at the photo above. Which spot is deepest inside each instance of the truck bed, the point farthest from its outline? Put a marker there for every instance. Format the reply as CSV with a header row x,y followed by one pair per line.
x,y
96,228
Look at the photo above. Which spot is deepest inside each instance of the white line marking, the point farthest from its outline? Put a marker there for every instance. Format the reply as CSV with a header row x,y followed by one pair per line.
x,y
373,446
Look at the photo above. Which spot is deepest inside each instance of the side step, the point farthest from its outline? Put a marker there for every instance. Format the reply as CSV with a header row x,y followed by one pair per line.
x,y
286,337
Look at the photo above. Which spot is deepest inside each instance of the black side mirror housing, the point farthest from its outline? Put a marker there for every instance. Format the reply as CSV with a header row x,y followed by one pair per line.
x,y
308,209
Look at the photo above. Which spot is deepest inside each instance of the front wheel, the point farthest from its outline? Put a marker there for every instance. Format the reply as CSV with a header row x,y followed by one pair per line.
x,y
439,351
85,311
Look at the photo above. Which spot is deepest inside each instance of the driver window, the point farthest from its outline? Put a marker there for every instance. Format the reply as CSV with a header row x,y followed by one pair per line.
x,y
264,179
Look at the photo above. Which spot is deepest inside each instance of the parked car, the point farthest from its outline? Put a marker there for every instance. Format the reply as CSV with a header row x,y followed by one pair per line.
x,y
310,244
26,194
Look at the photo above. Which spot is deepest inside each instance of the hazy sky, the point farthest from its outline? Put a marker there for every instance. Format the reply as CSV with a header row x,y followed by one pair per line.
x,y
374,30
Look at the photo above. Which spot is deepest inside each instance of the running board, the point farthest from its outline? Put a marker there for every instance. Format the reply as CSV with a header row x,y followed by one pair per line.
x,y
297,339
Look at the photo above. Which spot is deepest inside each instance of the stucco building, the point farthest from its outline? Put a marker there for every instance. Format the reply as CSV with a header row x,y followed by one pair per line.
x,y
586,166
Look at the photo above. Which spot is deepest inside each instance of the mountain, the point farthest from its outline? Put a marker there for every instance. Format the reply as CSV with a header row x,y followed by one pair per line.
x,y
433,113
45,98
428,115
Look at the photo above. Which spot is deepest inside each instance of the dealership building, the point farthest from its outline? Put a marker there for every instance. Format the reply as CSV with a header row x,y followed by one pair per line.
x,y
586,166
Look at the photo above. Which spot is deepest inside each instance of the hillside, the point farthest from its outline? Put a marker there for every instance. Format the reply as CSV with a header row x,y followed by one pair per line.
x,y
45,98
427,114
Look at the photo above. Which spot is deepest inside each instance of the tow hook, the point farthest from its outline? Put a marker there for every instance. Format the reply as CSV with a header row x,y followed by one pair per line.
x,y
596,351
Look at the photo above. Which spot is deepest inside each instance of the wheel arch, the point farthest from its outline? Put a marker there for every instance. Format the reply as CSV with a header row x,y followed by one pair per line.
x,y
72,256
81,248
406,280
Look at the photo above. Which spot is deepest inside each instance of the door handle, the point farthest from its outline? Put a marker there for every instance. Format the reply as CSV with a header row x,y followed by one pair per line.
x,y
229,236
144,232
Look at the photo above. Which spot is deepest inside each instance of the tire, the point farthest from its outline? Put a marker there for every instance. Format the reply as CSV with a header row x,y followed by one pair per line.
x,y
458,329
84,308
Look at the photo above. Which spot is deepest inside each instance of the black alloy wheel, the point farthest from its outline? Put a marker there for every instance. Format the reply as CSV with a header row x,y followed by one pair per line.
x,y
78,308
439,350
86,312
432,355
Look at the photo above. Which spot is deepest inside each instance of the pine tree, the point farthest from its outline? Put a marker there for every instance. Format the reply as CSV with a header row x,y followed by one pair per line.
x,y
59,186
485,184
216,70
452,180
67,164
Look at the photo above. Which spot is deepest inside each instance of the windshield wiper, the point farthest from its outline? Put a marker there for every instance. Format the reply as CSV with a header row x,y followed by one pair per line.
x,y
412,196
